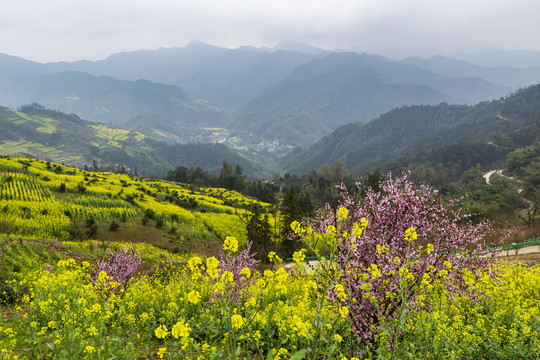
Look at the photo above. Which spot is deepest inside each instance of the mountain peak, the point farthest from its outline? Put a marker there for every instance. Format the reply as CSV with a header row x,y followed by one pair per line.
x,y
193,44
297,46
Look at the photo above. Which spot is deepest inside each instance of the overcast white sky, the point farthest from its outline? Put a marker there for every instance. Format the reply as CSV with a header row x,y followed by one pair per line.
x,y
54,30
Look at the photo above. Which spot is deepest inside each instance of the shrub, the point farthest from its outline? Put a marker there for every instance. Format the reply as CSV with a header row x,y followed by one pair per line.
x,y
119,267
387,247
114,226
7,294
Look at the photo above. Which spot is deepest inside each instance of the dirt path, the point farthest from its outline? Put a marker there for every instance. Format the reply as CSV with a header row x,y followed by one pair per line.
x,y
519,251
488,175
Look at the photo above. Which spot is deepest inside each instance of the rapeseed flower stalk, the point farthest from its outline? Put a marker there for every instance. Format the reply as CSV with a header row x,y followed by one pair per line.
x,y
180,330
161,332
299,256
274,258
410,234
212,267
245,272
194,263
194,297
237,321
230,244
342,213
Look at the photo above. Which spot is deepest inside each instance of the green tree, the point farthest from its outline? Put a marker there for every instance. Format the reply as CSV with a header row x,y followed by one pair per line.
x,y
259,232
374,180
326,173
226,178
239,180
290,211
339,172
305,204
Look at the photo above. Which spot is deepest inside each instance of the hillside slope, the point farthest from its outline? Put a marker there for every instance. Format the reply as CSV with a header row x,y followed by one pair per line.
x,y
499,126
56,136
106,99
48,201
340,88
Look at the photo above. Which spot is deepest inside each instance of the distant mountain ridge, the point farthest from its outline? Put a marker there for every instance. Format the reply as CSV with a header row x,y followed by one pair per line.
x,y
106,99
421,133
503,75
293,94
341,88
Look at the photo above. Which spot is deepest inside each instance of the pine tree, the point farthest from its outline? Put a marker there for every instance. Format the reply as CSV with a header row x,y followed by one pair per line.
x,y
290,211
259,233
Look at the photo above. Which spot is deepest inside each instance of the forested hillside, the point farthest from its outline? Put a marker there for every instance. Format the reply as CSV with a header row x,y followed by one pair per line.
x,y
458,136
340,88
108,100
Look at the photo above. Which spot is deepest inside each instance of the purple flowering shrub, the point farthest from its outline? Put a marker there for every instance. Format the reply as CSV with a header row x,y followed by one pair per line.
x,y
387,249
119,267
237,263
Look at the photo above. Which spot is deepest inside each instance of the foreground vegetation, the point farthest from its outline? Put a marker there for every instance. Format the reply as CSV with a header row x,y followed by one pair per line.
x,y
405,276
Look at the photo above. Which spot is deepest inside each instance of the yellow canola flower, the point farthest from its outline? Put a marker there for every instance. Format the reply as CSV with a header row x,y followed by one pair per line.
x,y
161,352
358,228
295,227
212,266
194,263
298,229
331,229
194,297
375,272
344,311
443,273
429,248
227,277
161,332
103,277
299,256
425,279
246,272
230,244
274,257
410,234
381,249
180,330
237,321
92,331
343,213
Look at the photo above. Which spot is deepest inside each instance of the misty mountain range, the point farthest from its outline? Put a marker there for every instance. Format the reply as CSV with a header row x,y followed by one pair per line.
x,y
294,94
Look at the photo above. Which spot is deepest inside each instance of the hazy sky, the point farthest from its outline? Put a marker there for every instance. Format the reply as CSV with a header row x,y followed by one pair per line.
x,y
69,30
